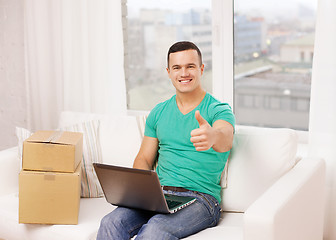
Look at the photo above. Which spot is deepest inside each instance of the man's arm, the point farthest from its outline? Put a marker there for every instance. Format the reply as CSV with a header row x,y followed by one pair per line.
x,y
147,153
219,136
223,135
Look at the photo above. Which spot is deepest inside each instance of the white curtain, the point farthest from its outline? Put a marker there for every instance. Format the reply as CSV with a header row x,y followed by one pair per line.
x,y
322,122
74,59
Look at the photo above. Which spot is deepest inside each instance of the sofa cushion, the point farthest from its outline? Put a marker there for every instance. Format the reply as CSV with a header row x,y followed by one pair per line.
x,y
90,186
21,134
120,135
259,157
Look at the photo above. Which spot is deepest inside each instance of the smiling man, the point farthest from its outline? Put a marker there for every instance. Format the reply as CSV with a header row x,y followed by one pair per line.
x,y
192,134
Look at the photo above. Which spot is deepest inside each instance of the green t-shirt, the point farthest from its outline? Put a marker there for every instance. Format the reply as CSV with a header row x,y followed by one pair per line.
x,y
179,164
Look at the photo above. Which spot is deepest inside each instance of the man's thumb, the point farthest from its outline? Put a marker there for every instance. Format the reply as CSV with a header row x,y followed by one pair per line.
x,y
200,119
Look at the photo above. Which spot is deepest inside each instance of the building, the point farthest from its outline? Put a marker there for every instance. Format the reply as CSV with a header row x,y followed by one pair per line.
x,y
249,37
271,99
299,50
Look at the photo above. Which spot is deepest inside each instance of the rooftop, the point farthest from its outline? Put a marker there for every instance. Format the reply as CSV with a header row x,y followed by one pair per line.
x,y
306,40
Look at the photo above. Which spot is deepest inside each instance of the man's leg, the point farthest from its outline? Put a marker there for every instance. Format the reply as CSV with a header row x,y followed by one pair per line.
x,y
203,213
122,223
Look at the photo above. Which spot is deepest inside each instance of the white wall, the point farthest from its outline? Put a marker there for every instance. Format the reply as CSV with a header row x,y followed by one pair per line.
x,y
322,128
12,75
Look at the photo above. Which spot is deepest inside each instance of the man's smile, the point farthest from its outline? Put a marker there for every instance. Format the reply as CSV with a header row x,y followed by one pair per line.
x,y
185,80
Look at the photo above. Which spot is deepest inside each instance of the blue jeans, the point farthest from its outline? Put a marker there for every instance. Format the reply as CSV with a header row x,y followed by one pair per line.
x,y
124,223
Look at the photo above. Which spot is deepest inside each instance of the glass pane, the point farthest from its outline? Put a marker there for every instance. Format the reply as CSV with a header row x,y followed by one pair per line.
x,y
152,27
273,52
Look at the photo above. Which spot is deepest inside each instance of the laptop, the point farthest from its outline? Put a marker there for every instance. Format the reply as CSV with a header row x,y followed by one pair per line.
x,y
135,188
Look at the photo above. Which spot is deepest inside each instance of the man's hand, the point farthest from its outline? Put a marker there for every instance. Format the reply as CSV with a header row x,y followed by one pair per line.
x,y
203,137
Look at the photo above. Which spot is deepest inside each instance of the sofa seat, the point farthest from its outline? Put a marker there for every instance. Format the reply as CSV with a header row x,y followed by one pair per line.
x,y
91,211
228,228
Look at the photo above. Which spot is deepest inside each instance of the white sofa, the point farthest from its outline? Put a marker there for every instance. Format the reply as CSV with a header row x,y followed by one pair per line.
x,y
271,193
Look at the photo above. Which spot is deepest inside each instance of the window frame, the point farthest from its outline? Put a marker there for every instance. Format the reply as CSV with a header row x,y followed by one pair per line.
x,y
222,51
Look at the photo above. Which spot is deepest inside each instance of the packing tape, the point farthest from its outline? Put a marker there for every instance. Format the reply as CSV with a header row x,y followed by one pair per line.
x,y
55,136
49,177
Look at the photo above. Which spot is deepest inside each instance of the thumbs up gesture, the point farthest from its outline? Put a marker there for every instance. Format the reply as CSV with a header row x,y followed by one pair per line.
x,y
203,137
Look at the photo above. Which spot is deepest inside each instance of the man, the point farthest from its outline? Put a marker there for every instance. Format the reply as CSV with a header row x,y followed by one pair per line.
x,y
192,133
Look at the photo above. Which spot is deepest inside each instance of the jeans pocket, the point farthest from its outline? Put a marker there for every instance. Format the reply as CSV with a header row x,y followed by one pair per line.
x,y
213,206
206,200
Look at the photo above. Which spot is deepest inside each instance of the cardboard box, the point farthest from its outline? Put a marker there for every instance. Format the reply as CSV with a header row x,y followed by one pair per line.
x,y
49,197
52,151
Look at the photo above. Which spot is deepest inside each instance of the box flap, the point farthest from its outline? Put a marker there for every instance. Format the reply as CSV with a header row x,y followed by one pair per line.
x,y
55,137
69,138
40,136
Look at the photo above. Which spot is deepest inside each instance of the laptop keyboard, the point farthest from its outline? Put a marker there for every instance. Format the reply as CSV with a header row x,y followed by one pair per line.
x,y
172,203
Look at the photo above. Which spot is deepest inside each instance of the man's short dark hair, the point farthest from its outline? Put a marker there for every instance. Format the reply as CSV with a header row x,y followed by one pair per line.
x,y
183,46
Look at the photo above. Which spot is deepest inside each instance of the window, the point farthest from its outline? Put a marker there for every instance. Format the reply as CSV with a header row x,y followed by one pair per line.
x,y
302,56
273,49
247,101
258,55
152,26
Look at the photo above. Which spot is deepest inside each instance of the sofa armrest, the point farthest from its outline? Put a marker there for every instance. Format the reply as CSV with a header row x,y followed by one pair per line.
x,y
9,171
293,208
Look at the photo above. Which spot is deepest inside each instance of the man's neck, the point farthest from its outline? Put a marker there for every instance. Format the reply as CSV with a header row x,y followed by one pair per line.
x,y
187,102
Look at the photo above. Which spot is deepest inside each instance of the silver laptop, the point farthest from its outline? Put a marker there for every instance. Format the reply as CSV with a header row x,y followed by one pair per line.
x,y
135,188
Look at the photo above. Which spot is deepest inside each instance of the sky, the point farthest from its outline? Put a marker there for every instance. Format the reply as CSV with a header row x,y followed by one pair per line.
x,y
266,8
274,3
168,4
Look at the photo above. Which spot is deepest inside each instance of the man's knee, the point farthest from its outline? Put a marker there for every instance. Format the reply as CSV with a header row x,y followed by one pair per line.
x,y
111,221
106,221
111,227
155,230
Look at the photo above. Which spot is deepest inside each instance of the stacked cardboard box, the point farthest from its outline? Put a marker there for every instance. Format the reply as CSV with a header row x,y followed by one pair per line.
x,y
50,179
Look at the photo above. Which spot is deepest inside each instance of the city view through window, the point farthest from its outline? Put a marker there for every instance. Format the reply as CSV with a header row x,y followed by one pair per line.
x,y
273,51
152,27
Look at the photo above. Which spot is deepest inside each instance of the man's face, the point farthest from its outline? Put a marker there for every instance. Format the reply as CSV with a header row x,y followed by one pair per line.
x,y
185,70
